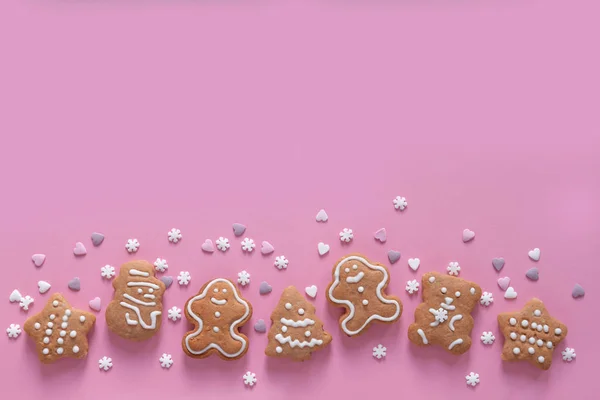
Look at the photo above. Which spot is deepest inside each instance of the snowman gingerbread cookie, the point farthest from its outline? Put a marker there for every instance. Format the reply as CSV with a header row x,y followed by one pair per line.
x,y
217,313
359,286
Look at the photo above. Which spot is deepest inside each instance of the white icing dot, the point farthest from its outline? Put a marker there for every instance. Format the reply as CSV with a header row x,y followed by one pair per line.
x,y
216,329
524,323
512,321
37,325
523,338
52,316
516,350
307,333
355,267
541,359
361,289
224,290
513,336
278,349
60,340
531,350
540,342
50,324
432,279
217,314
537,313
48,332
216,290
55,303
140,291
444,290
457,294
557,331
301,311
534,325
64,325
65,318
365,302
531,340
539,328
546,328
75,349
46,340
347,270
472,290
45,351
82,319
59,350
288,306
150,290
68,313
73,334
284,329
63,333
549,344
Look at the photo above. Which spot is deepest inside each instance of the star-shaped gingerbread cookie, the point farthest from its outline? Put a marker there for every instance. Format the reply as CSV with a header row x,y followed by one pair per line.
x,y
60,330
531,334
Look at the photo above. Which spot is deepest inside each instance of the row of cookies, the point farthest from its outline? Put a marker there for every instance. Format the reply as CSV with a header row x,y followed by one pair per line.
x,y
218,312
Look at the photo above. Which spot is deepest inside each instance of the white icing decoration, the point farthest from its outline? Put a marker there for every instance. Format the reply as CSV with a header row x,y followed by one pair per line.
x,y
513,336
539,328
75,349
457,317
224,290
523,338
278,349
151,290
307,333
537,313
516,350
557,331
546,328
457,294
356,278
540,342
351,306
142,303
297,343
52,316
296,324
456,342
355,267
64,325
82,319
73,334
549,344
68,313
136,310
531,340
46,340
432,279
50,324
137,272
347,270
48,332
45,351
63,333
217,314
216,290
301,311
216,329
140,291
531,350
365,302
284,328
472,290
422,334
232,326
533,325
37,325
149,296
361,289
541,359
218,302
444,290
288,306
59,350
512,321
65,318
146,284
60,340
55,303
524,323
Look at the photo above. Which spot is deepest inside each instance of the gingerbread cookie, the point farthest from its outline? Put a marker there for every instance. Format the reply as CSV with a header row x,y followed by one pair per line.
x,y
60,330
217,312
444,316
359,286
531,334
295,330
136,308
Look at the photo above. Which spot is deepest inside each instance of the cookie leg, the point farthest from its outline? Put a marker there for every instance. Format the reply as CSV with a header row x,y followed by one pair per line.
x,y
418,335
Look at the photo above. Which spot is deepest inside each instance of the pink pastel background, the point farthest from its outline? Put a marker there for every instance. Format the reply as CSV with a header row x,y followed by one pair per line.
x,y
134,117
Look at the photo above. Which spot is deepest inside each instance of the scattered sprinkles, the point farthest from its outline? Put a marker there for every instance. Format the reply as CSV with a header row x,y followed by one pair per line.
x,y
243,278
222,244
453,268
107,272
400,203
248,245
132,245
249,378
379,352
412,286
174,314
568,354
166,361
281,262
174,235
105,363
161,265
486,299
346,235
472,379
184,278
487,338
13,331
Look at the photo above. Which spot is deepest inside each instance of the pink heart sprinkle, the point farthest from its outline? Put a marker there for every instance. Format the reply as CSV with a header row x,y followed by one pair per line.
x,y
96,304
38,259
267,248
381,235
79,249
468,235
504,282
208,246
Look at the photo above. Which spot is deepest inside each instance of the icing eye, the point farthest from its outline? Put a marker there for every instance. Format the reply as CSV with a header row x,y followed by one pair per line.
x,y
284,329
361,289
431,279
288,306
224,290
217,314
472,290
216,290
355,267
444,290
140,291
347,270
150,290
457,294
301,311
307,333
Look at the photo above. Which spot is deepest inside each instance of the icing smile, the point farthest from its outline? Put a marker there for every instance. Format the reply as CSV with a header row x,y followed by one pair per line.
x,y
296,343
356,278
295,324
218,302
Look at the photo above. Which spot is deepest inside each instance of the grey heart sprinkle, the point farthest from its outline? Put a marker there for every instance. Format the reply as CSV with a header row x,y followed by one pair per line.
x,y
167,280
498,263
393,256
74,284
260,326
238,229
97,239
264,288
533,274
578,291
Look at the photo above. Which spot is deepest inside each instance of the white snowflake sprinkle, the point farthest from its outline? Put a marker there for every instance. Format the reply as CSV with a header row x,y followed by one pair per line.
x,y
105,363
174,313
487,338
379,352
346,235
412,286
132,245
166,360
472,379
248,245
184,278
453,268
281,262
400,203
440,315
161,265
25,302
107,272
568,354
13,331
243,278
222,243
486,299
174,235
249,378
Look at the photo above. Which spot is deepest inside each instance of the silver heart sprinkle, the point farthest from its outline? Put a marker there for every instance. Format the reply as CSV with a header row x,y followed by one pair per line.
x,y
97,239
238,229
498,263
264,288
393,256
74,284
533,274
167,280
260,326
578,291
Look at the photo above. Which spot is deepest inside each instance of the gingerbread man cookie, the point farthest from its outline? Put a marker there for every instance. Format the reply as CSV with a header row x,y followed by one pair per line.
x,y
359,286
295,331
531,334
60,330
217,312
444,316
136,308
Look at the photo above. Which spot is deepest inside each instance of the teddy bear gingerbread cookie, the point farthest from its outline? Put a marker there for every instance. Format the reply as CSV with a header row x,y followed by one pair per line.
x,y
359,286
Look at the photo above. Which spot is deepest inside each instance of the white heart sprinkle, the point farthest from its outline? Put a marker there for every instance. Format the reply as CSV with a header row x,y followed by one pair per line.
x,y
414,263
43,286
534,254
322,216
15,296
510,293
311,291
323,248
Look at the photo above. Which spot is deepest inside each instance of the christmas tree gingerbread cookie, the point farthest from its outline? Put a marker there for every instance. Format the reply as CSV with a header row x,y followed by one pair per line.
x,y
217,312
295,331
444,317
359,286
136,308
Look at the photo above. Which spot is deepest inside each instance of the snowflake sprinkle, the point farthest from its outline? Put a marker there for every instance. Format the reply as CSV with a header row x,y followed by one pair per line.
x,y
281,262
25,302
13,331
346,235
166,360
487,338
222,243
248,245
107,272
472,379
568,354
486,299
379,352
412,286
105,363
453,268
174,313
132,245
184,278
174,235
249,378
161,265
243,278
400,203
